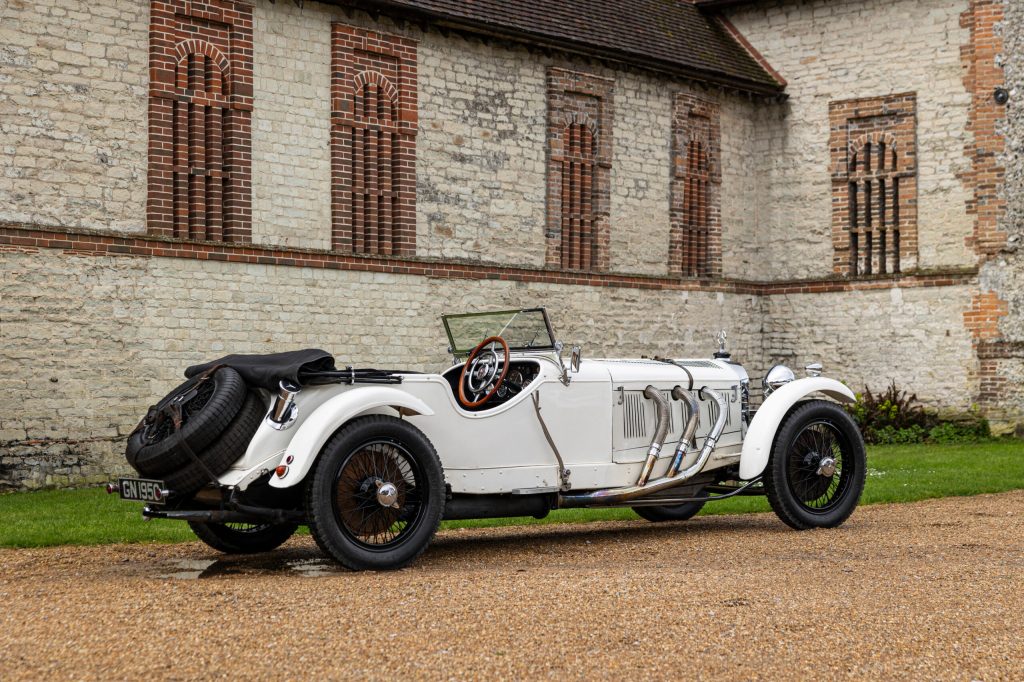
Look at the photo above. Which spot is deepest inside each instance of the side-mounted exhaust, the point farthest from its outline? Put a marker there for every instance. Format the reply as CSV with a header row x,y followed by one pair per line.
x,y
621,495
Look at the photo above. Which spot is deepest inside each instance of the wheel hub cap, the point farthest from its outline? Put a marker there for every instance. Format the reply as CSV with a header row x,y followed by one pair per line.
x,y
827,467
387,494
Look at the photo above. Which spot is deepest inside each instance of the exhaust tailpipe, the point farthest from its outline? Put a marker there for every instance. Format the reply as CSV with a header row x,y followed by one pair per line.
x,y
620,495
692,421
659,433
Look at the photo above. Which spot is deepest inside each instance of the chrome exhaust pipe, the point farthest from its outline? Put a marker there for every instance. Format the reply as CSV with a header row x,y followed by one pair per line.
x,y
659,432
619,495
692,421
712,440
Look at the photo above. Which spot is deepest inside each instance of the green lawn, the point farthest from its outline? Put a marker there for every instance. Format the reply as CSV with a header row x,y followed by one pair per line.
x,y
895,474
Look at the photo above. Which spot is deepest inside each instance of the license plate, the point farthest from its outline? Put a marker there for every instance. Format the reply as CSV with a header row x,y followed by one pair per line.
x,y
141,490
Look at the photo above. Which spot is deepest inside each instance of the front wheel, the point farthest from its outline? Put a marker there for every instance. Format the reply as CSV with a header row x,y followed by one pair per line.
x,y
243,538
377,494
816,471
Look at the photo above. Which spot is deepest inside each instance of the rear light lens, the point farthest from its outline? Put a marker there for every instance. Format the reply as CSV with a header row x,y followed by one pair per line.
x,y
281,471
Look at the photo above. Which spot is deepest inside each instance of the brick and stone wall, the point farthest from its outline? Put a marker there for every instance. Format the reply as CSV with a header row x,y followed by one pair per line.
x,y
100,319
1001,336
97,338
832,50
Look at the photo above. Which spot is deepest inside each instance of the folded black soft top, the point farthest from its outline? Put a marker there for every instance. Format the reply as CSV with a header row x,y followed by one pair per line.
x,y
267,371
307,367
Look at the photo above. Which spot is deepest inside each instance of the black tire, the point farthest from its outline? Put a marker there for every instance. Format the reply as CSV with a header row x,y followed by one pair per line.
x,y
676,512
154,451
342,508
800,493
243,538
219,457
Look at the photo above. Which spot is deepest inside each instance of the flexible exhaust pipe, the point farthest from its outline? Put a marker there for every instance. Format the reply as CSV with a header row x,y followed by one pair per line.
x,y
620,495
659,432
692,421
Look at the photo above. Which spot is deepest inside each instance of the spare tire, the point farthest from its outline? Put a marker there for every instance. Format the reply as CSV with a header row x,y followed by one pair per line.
x,y
153,450
218,457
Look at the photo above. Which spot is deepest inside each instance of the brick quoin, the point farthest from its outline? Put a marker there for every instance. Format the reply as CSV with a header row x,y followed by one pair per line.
x,y
873,151
982,75
579,158
695,235
373,142
200,128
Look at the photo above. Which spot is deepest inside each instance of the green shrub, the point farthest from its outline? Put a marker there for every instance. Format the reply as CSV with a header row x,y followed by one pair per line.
x,y
971,429
888,435
891,417
895,418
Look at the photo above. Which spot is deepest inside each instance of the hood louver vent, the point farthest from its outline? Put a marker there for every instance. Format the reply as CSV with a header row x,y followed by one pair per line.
x,y
634,415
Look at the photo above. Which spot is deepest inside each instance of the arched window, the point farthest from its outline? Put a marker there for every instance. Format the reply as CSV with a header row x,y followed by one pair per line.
x,y
695,233
873,149
200,112
579,137
373,143
201,178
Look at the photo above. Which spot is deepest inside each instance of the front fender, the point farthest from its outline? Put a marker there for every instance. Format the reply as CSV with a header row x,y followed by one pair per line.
x,y
761,435
328,418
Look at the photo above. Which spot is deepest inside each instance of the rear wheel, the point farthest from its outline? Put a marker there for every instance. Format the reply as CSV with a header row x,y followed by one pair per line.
x,y
376,496
816,471
676,512
243,538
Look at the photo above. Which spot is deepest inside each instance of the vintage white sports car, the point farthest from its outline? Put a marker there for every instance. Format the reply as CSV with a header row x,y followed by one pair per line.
x,y
372,460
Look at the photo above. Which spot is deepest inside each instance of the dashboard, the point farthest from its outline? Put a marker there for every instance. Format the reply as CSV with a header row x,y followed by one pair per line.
x,y
520,374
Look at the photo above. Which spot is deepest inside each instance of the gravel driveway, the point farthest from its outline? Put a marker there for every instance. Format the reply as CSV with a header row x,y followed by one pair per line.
x,y
924,590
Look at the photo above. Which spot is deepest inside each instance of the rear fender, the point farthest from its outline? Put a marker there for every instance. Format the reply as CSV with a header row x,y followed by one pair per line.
x,y
757,445
329,417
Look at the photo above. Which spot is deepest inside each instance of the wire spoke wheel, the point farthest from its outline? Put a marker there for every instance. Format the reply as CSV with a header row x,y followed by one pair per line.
x,y
815,469
376,494
815,474
358,502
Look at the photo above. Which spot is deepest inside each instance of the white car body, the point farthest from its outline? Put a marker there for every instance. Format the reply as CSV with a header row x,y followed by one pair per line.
x,y
373,460
600,422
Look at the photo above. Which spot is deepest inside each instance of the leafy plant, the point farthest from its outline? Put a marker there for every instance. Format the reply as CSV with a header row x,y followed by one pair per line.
x,y
971,429
893,416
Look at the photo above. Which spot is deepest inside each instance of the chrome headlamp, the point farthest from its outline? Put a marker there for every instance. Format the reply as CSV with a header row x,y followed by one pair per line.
x,y
777,376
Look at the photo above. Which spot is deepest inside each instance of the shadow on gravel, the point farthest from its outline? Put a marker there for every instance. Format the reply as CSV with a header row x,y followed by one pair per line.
x,y
307,564
452,546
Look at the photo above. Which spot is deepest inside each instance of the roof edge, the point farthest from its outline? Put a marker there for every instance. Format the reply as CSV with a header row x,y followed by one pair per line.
x,y
404,13
753,51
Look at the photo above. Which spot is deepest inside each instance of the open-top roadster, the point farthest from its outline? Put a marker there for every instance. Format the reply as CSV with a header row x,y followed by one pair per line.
x,y
250,447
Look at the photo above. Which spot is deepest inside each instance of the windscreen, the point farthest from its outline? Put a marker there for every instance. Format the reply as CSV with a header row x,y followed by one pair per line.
x,y
521,329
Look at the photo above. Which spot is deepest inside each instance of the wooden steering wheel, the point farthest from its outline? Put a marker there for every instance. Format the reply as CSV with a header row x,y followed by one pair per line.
x,y
481,369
